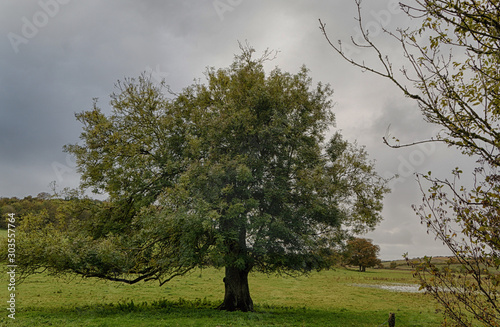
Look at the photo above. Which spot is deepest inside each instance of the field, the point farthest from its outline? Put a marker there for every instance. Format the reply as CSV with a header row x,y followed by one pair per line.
x,y
330,298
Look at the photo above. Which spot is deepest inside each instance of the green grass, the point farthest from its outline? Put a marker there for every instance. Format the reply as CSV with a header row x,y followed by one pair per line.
x,y
322,299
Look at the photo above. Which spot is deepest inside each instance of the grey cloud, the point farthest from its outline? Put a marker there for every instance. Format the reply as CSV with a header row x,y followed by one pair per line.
x,y
84,47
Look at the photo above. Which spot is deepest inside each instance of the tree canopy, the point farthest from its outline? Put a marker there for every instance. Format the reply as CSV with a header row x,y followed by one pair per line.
x,y
235,173
452,72
362,252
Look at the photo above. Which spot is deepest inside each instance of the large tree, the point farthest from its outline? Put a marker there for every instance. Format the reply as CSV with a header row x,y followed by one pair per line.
x,y
235,173
452,72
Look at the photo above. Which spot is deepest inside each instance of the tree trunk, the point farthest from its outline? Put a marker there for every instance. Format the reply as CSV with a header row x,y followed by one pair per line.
x,y
237,294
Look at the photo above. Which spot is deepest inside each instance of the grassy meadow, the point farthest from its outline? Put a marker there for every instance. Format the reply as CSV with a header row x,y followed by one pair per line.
x,y
328,298
338,297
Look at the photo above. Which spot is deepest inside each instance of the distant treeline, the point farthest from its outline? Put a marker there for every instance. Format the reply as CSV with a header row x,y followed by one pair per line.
x,y
29,205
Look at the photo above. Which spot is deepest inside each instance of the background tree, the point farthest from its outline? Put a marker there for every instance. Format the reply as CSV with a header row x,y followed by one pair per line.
x,y
453,74
363,253
236,173
26,206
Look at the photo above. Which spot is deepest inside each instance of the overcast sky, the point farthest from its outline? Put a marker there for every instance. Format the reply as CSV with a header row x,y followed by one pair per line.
x,y
57,55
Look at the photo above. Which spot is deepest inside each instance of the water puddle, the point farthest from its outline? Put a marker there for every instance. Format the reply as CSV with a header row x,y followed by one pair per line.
x,y
404,288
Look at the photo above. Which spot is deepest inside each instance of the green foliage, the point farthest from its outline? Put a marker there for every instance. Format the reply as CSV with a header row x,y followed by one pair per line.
x,y
460,94
362,252
468,285
236,172
27,205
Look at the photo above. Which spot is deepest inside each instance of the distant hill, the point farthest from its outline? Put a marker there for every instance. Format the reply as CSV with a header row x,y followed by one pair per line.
x,y
403,265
